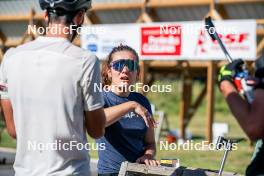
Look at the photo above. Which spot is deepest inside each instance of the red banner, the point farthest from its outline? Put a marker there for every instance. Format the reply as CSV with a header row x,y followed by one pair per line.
x,y
157,42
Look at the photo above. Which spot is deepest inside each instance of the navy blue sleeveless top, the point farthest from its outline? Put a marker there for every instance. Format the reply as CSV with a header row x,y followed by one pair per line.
x,y
125,139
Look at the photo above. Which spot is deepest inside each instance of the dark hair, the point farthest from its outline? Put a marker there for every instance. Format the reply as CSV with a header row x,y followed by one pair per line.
x,y
106,65
64,17
61,16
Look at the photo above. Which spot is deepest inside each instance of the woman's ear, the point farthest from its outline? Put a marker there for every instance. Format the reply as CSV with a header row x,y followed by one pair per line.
x,y
109,73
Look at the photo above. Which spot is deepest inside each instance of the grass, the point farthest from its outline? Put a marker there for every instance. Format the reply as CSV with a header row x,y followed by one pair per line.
x,y
237,161
7,141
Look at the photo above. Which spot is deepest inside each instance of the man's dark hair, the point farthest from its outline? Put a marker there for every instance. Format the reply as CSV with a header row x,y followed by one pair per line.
x,y
61,16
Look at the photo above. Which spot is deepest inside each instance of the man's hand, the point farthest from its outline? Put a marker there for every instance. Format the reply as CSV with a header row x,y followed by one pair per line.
x,y
148,160
227,72
227,88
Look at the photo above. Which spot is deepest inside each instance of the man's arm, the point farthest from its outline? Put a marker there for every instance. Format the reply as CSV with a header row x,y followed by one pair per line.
x,y
95,123
8,116
94,119
5,101
249,116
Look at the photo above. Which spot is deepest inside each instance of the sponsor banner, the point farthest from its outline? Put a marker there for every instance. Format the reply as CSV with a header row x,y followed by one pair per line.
x,y
100,39
157,44
174,40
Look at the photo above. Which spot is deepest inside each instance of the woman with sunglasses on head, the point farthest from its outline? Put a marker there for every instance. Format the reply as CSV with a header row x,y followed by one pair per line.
x,y
129,133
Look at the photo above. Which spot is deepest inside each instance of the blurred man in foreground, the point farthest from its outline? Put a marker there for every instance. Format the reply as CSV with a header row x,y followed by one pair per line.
x,y
47,96
249,116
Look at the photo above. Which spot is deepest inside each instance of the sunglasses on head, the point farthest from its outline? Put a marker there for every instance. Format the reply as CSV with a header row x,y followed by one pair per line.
x,y
118,65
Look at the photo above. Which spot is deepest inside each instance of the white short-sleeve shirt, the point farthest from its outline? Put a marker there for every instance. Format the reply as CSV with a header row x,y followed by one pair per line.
x,y
50,83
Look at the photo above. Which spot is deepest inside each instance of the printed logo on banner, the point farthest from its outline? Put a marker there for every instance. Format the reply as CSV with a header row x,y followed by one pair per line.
x,y
108,45
98,45
92,42
233,42
155,41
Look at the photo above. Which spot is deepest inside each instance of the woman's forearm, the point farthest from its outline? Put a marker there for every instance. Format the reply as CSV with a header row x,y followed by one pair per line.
x,y
114,113
150,150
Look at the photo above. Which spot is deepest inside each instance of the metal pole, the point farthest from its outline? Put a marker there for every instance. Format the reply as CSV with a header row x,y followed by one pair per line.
x,y
223,163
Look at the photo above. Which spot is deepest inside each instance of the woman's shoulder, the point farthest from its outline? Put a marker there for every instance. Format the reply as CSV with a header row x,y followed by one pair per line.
x,y
105,92
111,98
108,95
108,98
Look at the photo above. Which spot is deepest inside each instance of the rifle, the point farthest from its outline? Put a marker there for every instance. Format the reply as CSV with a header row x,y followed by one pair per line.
x,y
242,80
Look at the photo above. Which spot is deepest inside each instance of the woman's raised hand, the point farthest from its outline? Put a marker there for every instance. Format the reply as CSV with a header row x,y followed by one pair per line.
x,y
145,114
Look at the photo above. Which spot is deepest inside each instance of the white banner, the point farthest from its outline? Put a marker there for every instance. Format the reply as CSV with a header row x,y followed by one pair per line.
x,y
174,41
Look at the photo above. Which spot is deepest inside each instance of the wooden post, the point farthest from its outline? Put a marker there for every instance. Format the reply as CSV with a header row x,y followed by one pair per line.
x,y
1,55
143,72
194,106
210,99
182,109
2,40
182,105
185,102
93,18
144,17
31,23
212,7
213,12
260,47
88,20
